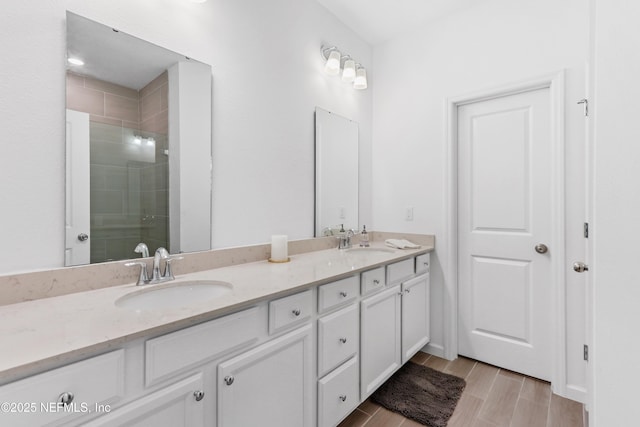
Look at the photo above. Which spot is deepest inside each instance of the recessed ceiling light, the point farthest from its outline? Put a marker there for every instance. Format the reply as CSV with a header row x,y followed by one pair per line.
x,y
75,61
198,1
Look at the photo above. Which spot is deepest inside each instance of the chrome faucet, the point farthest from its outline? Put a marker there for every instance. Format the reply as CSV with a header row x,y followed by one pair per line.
x,y
161,254
143,249
344,239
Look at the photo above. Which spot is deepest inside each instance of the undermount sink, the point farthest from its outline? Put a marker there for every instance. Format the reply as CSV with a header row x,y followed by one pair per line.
x,y
174,295
370,250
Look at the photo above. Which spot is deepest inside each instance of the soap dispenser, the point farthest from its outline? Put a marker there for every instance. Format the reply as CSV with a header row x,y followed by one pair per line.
x,y
364,237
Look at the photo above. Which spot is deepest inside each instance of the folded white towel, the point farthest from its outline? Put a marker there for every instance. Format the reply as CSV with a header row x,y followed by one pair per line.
x,y
401,244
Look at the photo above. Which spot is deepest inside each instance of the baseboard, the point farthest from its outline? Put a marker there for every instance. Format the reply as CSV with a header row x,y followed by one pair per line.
x,y
585,416
434,349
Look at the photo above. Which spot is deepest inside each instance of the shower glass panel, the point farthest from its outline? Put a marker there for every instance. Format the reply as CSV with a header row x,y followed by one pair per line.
x,y
129,190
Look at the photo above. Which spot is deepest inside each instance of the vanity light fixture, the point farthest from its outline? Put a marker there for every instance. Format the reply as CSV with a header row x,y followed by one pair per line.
x,y
360,82
349,70
336,64
75,61
332,56
137,139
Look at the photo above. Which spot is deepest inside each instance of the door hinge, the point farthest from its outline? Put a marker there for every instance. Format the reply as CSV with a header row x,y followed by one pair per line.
x,y
586,230
585,352
585,102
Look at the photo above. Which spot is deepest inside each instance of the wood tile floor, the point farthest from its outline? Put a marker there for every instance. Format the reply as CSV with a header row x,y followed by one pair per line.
x,y
493,397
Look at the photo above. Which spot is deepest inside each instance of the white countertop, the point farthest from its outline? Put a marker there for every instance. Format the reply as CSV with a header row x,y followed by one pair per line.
x,y
41,334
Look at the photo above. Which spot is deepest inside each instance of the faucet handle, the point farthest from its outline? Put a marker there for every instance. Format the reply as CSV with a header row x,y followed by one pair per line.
x,y
168,273
144,276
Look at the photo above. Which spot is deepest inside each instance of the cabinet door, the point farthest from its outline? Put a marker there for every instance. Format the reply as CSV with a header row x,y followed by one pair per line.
x,y
379,339
174,406
269,386
415,315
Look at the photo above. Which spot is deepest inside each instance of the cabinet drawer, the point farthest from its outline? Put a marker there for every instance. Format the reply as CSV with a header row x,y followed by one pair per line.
x,y
399,271
94,381
289,311
168,354
422,263
338,338
372,280
337,293
338,394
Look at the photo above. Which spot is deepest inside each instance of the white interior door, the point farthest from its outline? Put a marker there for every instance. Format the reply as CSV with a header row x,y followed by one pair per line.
x,y
77,246
504,216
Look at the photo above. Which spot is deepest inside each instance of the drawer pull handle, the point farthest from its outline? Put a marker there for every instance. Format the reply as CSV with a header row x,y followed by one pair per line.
x,y
408,291
199,395
343,397
426,264
228,380
65,398
343,340
376,281
343,294
296,312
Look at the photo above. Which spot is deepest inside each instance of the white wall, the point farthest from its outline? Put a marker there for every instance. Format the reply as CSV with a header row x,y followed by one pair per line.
x,y
495,43
616,204
267,81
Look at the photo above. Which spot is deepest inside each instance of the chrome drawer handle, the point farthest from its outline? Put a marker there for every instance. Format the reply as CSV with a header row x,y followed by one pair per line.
x,y
376,281
343,340
296,312
343,294
199,395
65,398
228,380
343,397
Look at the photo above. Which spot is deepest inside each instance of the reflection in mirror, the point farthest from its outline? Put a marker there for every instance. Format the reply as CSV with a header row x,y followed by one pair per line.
x,y
336,172
138,146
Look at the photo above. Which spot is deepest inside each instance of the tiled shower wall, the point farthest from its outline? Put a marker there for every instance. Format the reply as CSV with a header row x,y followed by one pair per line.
x,y
129,180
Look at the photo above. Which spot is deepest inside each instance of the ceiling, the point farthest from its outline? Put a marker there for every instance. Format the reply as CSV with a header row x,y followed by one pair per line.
x,y
380,20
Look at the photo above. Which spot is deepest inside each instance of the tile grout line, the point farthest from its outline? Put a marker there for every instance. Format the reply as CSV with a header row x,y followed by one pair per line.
x,y
517,401
484,401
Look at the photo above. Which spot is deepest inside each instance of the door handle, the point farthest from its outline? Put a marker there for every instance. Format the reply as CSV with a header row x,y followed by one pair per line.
x,y
83,237
541,248
580,267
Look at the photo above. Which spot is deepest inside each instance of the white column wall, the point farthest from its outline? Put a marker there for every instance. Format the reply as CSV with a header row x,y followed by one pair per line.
x,y
616,203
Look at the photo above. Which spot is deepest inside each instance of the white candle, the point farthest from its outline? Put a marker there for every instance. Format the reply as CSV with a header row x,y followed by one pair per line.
x,y
279,248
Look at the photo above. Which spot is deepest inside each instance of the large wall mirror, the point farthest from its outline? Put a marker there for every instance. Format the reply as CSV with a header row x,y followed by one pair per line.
x,y
138,141
336,173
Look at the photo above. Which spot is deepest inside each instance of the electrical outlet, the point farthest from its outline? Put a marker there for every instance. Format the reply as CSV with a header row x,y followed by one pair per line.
x,y
342,213
408,214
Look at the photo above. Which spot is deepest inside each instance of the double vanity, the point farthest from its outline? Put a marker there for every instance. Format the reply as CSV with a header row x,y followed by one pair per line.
x,y
301,343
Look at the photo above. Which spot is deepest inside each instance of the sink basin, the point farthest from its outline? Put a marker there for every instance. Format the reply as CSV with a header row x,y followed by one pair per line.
x,y
174,295
370,250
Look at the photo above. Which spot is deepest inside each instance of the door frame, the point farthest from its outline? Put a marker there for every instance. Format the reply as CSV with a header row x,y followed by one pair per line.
x,y
555,82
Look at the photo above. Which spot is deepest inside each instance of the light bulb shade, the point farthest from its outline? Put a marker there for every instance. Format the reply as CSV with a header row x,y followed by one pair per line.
x,y
349,71
332,67
360,81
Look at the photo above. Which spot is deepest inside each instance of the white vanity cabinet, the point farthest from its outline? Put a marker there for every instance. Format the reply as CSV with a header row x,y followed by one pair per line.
x,y
338,347
380,339
415,315
270,385
394,322
306,359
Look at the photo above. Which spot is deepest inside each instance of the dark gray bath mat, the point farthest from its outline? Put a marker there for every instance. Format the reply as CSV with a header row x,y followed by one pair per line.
x,y
421,394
